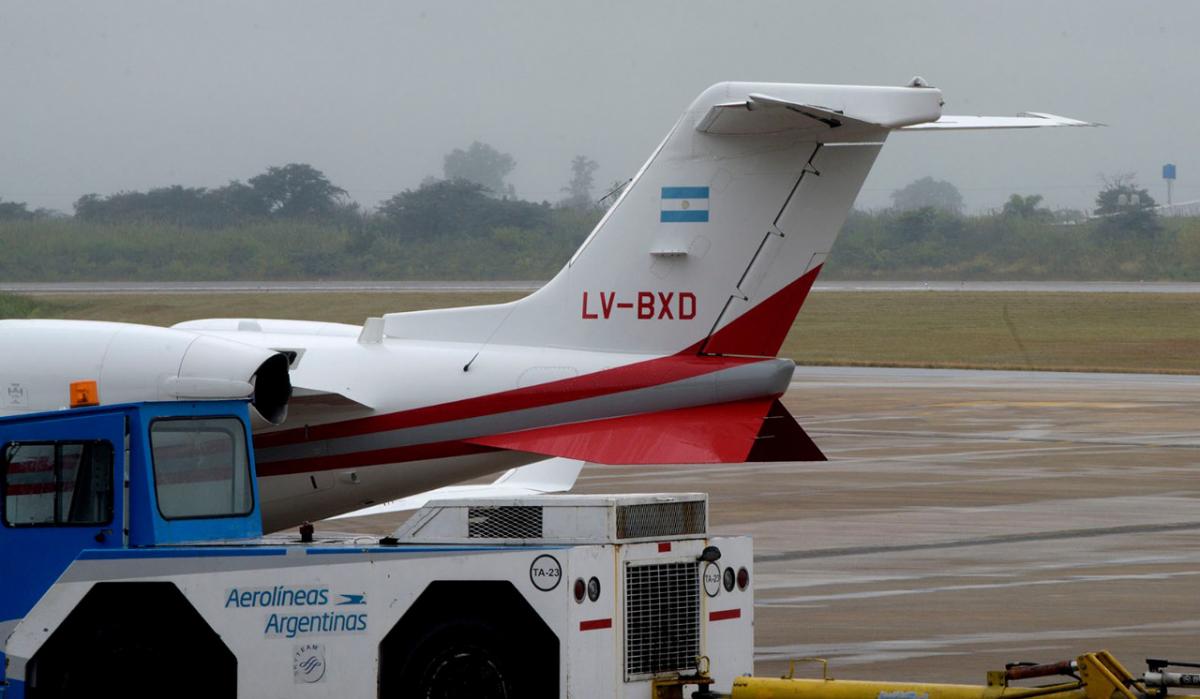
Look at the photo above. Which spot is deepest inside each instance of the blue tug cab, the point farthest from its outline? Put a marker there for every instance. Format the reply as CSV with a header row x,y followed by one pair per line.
x,y
94,482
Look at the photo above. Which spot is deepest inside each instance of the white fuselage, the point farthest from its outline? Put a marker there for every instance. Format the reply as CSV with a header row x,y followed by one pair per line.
x,y
333,453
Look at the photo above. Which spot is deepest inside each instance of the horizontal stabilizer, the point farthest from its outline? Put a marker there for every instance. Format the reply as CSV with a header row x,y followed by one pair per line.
x,y
1025,120
760,114
764,114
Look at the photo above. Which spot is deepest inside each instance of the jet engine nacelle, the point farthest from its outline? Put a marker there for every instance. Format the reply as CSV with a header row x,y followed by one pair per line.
x,y
134,363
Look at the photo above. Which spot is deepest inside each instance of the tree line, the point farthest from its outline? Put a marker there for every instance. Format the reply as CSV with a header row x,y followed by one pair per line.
x,y
292,222
925,235
473,179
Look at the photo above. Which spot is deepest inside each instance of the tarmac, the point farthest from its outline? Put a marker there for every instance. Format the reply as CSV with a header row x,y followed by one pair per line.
x,y
966,519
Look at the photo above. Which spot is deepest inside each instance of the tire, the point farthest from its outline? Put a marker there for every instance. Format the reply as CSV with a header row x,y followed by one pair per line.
x,y
139,639
469,639
461,659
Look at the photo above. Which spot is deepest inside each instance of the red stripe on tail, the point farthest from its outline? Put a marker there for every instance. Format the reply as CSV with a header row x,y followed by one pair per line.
x,y
760,331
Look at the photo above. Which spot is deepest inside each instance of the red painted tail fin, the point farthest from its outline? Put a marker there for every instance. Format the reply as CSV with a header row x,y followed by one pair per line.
x,y
781,438
760,331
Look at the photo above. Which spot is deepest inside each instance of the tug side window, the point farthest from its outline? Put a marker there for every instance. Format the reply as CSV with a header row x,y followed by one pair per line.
x,y
201,467
58,483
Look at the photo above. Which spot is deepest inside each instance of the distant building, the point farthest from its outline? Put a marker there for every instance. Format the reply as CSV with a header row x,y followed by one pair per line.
x,y
1183,208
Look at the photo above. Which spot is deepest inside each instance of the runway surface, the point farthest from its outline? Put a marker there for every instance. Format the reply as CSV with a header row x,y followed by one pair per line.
x,y
966,519
264,287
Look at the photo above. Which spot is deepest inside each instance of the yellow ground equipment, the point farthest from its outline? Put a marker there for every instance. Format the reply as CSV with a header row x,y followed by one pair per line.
x,y
1090,676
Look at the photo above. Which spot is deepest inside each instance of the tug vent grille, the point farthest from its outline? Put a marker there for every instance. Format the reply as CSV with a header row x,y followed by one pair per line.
x,y
504,522
662,618
659,519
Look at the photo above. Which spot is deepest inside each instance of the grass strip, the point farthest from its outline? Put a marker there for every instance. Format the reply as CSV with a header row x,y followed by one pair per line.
x,y
1134,332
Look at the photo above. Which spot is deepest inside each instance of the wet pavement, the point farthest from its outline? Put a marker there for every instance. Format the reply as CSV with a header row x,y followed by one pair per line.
x,y
967,519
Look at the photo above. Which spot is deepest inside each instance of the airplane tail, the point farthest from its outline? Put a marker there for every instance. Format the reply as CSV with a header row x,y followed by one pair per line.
x,y
715,243
696,274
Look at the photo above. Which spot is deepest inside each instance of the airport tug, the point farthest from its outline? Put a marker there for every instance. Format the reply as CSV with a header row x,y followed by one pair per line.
x,y
135,565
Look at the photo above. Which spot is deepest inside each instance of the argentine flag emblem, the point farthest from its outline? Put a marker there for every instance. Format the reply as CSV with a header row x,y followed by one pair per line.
x,y
684,205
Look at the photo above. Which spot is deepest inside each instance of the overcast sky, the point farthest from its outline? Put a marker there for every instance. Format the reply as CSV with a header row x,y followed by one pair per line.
x,y
105,96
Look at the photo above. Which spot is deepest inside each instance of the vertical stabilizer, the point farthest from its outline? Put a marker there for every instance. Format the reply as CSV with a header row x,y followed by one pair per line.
x,y
736,210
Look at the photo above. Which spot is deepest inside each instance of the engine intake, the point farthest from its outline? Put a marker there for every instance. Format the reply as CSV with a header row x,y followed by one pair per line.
x,y
272,389
40,358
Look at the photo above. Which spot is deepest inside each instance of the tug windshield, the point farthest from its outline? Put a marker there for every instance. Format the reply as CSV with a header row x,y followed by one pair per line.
x,y
201,467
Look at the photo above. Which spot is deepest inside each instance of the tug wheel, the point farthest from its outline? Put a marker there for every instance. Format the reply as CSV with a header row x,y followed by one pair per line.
x,y
465,639
460,660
